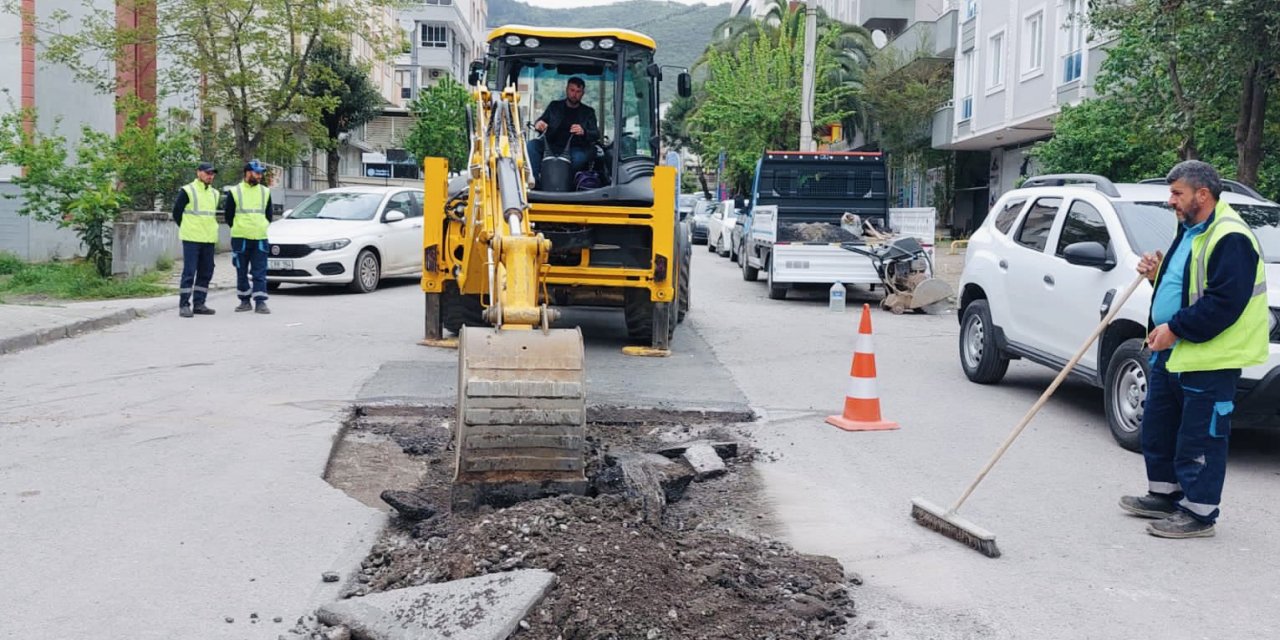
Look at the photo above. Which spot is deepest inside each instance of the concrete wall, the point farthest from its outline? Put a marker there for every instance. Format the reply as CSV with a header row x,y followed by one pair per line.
x,y
140,238
31,240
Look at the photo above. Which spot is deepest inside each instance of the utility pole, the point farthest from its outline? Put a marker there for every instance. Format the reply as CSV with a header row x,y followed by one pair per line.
x,y
806,87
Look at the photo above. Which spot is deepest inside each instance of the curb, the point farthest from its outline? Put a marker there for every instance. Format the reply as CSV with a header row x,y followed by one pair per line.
x,y
45,336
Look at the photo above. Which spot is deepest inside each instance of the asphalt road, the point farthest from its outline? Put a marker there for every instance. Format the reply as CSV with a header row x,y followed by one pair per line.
x,y
160,476
1074,566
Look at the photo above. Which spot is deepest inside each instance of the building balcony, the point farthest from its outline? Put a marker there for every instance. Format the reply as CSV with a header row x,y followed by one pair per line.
x,y
927,39
944,126
888,15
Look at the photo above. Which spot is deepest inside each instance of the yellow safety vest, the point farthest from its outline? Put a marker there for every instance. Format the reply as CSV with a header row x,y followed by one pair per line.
x,y
251,211
200,218
1244,343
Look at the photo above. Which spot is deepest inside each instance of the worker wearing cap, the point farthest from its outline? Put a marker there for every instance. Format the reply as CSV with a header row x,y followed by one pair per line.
x,y
248,211
196,212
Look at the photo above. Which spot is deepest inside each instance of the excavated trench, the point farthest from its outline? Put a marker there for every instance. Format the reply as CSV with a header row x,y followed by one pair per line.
x,y
702,564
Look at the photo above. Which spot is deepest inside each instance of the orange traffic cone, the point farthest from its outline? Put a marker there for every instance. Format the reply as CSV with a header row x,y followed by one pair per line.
x,y
862,402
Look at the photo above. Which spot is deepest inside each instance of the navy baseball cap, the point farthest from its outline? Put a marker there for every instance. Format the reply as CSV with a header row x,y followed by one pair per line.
x,y
207,167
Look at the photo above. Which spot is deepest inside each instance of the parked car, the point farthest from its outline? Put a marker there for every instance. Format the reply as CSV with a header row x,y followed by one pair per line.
x,y
352,235
1049,260
700,220
720,228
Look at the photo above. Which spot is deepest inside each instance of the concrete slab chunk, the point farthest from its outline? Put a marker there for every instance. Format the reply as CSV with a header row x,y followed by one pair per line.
x,y
725,450
487,607
705,461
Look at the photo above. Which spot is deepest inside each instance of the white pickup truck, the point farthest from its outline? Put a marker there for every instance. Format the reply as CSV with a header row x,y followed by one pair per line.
x,y
791,228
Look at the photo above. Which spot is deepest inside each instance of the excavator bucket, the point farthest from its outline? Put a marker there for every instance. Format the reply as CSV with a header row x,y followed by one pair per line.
x,y
520,432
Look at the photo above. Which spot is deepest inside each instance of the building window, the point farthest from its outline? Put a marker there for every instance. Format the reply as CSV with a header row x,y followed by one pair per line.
x,y
1033,56
435,35
966,89
442,3
970,9
1073,56
995,66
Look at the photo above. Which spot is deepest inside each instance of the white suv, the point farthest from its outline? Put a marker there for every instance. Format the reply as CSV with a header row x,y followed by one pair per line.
x,y
1045,265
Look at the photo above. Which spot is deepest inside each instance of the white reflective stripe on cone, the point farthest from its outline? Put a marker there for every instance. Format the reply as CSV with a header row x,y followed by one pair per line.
x,y
864,344
1204,510
862,388
1163,487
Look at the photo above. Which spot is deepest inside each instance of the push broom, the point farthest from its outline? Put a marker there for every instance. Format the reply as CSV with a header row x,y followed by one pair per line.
x,y
948,522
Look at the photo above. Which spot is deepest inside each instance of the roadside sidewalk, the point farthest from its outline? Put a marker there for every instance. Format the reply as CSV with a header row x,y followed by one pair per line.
x,y
23,326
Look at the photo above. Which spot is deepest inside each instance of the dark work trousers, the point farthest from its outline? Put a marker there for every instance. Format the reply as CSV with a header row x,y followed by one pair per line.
x,y
537,148
197,270
1186,426
250,259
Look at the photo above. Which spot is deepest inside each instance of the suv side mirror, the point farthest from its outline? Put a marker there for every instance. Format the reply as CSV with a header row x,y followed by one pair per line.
x,y
684,85
394,215
1089,254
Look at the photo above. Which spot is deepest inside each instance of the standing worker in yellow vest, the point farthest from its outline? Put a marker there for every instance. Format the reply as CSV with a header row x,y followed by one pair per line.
x,y
1209,319
249,213
196,212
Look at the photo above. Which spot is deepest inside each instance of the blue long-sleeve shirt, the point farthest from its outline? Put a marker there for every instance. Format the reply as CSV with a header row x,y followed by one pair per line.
x,y
1232,271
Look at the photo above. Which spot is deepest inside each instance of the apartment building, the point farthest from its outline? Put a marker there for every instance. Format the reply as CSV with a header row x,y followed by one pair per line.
x,y
444,37
1017,63
53,94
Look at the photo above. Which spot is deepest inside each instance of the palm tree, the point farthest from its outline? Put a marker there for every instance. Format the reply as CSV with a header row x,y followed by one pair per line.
x,y
850,47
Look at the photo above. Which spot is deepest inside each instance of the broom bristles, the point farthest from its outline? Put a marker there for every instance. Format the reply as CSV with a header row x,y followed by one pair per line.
x,y
929,515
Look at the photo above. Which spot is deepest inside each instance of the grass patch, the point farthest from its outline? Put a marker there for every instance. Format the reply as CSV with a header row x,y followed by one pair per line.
x,y
76,280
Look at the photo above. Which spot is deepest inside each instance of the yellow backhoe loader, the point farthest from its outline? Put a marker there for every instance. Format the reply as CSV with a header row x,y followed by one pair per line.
x,y
500,258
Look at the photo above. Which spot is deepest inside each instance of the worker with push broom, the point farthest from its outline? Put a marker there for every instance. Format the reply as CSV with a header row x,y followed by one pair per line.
x,y
1209,319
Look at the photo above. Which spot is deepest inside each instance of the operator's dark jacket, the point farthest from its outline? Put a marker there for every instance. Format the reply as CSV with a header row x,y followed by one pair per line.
x,y
1231,273
559,117
228,207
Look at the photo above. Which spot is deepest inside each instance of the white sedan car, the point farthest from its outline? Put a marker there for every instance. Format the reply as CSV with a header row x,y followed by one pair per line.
x,y
352,235
720,228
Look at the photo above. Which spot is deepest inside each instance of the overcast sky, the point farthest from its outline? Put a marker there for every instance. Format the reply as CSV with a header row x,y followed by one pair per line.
x,y
569,4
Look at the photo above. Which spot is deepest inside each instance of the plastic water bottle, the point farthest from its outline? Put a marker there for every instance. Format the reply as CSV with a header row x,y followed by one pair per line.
x,y
835,299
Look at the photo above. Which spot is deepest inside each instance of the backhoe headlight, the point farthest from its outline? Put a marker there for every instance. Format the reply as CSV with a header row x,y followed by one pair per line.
x,y
607,43
330,245
532,43
513,40
587,45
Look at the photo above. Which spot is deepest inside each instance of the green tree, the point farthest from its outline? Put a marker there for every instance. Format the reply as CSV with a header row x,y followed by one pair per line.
x,y
347,98
752,98
1102,137
1196,68
250,59
440,127
848,46
79,193
154,156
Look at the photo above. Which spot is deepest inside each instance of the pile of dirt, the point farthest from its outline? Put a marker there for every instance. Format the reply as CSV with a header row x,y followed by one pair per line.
x,y
622,578
699,572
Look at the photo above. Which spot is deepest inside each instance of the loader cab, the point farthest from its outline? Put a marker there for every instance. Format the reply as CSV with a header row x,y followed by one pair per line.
x,y
622,87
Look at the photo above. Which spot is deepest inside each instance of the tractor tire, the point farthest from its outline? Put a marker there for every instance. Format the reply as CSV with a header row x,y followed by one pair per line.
x,y
639,311
458,310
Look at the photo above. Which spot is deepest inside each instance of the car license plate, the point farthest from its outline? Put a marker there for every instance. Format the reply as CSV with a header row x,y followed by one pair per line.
x,y
279,265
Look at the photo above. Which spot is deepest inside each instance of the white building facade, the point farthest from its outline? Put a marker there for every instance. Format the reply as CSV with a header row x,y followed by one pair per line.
x,y
1017,63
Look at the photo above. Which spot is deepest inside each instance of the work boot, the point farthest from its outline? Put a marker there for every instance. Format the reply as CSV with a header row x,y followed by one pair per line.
x,y
244,306
262,308
1180,525
202,310
185,311
1149,506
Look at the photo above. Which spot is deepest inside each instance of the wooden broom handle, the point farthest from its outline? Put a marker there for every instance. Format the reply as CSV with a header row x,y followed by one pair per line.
x,y
1044,397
